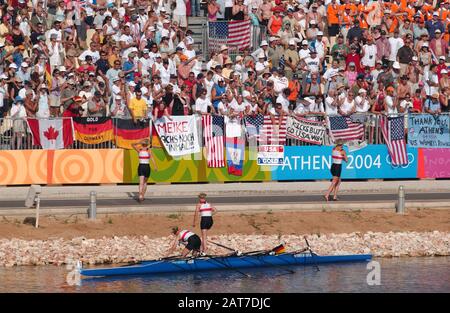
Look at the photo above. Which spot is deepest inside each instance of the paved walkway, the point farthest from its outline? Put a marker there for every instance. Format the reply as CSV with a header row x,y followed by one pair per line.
x,y
231,197
257,188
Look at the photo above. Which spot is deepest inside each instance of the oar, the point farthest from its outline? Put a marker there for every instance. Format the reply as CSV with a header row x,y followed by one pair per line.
x,y
225,247
312,253
239,253
169,258
216,259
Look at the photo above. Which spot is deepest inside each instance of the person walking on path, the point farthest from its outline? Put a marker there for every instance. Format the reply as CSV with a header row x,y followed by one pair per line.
x,y
145,155
338,154
206,212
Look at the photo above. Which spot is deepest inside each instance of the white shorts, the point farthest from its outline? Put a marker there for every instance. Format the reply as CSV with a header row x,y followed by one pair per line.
x,y
180,19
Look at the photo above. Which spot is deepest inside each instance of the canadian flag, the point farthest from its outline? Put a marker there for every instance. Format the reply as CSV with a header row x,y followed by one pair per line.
x,y
51,134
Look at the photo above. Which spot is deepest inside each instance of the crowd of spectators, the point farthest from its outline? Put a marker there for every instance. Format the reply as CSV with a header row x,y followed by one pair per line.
x,y
137,58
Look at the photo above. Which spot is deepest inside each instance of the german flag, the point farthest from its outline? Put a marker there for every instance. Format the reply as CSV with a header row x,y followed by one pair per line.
x,y
156,142
279,249
128,132
93,130
48,74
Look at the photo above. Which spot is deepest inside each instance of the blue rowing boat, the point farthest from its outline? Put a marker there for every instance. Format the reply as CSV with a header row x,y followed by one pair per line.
x,y
223,262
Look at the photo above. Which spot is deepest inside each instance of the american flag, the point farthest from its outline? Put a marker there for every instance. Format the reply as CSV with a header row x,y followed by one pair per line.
x,y
342,127
233,33
273,133
393,129
213,127
253,124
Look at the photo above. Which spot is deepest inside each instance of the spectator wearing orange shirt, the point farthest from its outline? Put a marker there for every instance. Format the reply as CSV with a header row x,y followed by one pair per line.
x,y
294,87
333,20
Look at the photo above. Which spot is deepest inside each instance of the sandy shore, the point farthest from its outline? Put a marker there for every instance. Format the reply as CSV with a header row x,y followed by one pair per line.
x,y
124,238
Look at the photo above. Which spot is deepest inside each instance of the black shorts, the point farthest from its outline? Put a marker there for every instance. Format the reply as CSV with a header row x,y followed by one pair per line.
x,y
336,169
193,243
144,170
333,30
206,222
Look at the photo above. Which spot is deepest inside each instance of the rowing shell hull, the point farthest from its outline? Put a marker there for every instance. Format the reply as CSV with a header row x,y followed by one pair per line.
x,y
220,263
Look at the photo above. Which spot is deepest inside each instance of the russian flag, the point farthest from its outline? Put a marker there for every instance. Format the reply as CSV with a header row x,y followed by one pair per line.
x,y
235,155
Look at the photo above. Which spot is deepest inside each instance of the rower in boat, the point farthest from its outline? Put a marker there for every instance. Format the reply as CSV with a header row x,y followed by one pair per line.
x,y
206,212
191,241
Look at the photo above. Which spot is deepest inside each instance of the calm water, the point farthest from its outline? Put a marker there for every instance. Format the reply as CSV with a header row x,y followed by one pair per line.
x,y
397,275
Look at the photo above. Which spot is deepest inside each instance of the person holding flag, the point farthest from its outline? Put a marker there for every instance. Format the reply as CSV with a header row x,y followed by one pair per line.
x,y
206,212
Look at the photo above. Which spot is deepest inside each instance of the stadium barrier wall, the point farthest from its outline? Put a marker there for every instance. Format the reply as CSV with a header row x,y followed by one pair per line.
x,y
109,166
47,167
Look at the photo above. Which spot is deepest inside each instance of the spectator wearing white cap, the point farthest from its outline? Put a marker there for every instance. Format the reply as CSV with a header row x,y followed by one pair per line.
x,y
434,24
438,45
291,58
261,64
24,71
263,48
43,110
275,51
312,30
321,45
362,101
145,63
55,52
119,108
425,57
223,56
414,72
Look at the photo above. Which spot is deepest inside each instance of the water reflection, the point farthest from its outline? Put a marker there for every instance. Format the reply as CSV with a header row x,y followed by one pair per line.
x,y
397,275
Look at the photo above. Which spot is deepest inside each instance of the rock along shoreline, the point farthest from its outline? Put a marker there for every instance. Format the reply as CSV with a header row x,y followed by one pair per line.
x,y
109,250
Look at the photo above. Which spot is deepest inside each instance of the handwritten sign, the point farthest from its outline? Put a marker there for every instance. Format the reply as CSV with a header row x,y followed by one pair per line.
x,y
305,130
178,134
429,131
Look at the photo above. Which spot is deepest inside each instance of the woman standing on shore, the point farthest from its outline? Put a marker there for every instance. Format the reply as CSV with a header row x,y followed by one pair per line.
x,y
145,155
338,154
206,212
